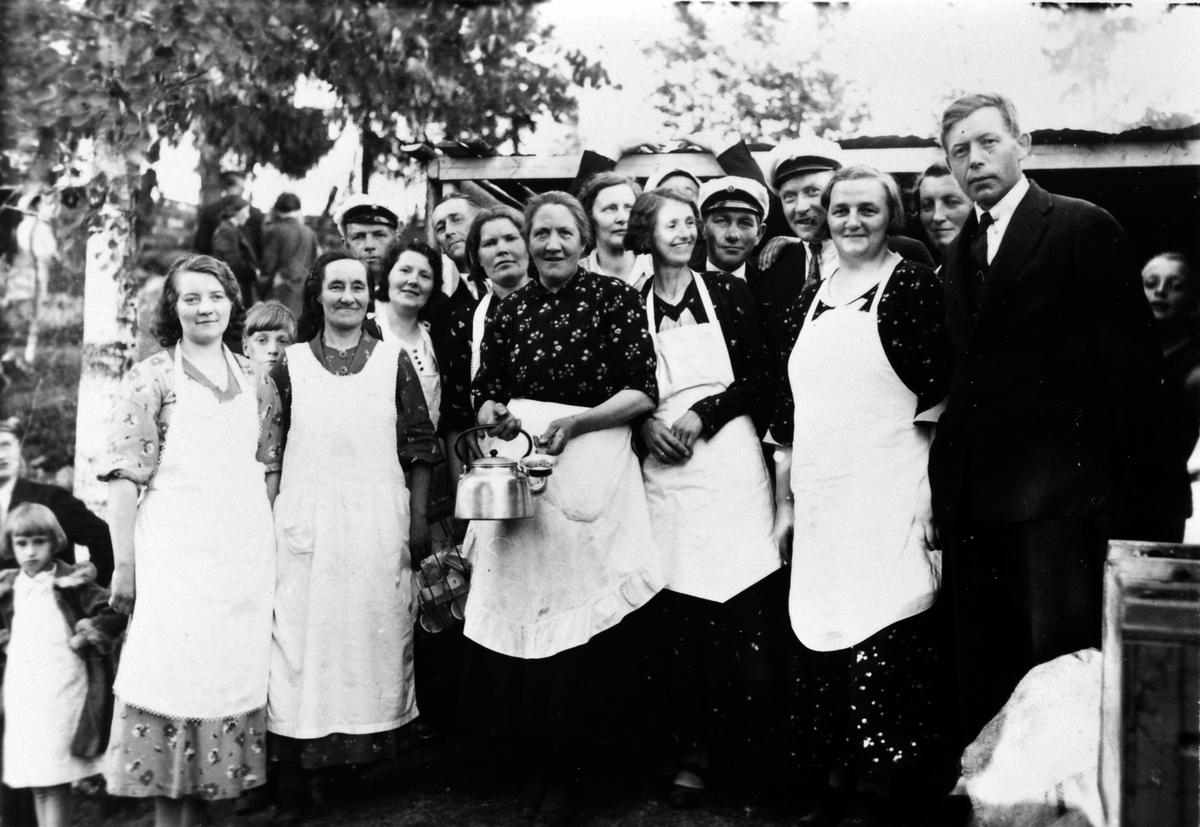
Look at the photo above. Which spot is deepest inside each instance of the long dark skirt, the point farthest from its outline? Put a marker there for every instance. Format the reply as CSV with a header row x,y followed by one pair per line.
x,y
335,749
716,671
880,709
591,697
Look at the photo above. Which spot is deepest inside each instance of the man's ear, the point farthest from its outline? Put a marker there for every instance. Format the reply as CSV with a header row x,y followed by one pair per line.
x,y
1025,141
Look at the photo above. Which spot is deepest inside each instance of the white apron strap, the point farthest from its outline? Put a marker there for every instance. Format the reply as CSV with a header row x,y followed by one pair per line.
x,y
478,322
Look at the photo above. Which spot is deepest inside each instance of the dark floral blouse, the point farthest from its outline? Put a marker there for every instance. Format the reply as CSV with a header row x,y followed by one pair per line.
x,y
578,345
912,329
415,440
457,413
752,390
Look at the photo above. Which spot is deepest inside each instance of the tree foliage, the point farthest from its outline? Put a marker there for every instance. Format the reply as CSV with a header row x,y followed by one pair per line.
x,y
765,100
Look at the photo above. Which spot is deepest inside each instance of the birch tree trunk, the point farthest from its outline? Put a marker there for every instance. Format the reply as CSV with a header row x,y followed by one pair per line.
x,y
109,316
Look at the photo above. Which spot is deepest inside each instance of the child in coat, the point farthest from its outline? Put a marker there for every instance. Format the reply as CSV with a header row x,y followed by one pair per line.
x,y
57,632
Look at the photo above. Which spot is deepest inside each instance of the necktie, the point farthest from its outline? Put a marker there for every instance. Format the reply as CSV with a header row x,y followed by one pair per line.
x,y
814,263
979,244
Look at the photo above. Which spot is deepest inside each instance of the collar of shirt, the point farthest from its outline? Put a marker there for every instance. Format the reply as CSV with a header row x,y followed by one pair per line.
x,y
6,492
1002,213
739,272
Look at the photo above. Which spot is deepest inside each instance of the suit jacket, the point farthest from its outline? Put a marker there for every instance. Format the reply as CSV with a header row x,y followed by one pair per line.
x,y
82,527
210,218
778,287
289,252
1049,374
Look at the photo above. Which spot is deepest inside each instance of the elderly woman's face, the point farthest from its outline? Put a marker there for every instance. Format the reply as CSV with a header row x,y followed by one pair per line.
x,y
344,294
203,307
610,214
410,284
502,252
944,209
858,217
674,234
555,244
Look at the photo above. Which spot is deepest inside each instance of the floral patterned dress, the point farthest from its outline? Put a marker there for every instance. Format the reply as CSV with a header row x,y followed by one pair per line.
x,y
152,754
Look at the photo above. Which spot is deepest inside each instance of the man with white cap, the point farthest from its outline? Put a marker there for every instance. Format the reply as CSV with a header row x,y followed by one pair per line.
x,y
733,210
797,172
368,226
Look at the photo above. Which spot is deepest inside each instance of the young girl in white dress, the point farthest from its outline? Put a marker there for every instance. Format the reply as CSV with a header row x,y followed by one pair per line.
x,y
58,630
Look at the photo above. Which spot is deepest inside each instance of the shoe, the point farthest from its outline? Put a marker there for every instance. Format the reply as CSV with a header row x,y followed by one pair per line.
x,y
688,790
560,807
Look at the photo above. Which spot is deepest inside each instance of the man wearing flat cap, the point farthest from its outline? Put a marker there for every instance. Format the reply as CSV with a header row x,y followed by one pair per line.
x,y
797,172
368,226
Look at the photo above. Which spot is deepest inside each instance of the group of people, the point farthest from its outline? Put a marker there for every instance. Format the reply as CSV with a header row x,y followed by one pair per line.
x,y
808,490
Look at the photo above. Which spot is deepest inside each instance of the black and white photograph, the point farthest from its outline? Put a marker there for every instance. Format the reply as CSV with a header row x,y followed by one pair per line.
x,y
623,414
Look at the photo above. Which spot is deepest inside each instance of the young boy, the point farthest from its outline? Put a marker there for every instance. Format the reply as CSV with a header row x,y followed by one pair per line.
x,y
270,327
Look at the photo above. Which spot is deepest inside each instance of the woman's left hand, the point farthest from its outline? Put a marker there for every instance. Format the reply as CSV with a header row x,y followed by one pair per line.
x,y
687,429
557,434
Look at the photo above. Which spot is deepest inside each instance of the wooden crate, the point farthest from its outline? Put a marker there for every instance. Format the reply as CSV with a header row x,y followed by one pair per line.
x,y
1149,760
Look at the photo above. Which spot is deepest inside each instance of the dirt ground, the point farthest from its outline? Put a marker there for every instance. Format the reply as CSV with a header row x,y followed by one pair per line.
x,y
427,788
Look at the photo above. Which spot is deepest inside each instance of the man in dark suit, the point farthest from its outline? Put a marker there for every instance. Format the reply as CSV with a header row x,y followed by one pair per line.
x,y
232,183
797,172
289,251
82,527
1038,458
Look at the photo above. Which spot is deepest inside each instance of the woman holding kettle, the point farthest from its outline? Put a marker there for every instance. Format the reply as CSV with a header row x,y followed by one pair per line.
x,y
568,359
707,488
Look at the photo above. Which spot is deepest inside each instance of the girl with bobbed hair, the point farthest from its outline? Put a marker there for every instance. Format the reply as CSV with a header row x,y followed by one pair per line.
x,y
195,555
607,200
709,498
868,367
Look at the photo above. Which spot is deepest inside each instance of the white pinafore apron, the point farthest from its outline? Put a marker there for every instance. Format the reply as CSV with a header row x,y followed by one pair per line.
x,y
579,565
199,642
857,465
712,515
342,659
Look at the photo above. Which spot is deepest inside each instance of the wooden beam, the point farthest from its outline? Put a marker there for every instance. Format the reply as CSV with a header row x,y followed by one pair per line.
x,y
902,159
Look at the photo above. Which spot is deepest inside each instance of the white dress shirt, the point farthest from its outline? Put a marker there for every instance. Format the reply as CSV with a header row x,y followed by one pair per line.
x,y
1002,214
739,272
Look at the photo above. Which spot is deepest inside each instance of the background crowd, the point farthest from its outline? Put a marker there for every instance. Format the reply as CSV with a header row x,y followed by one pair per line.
x,y
820,498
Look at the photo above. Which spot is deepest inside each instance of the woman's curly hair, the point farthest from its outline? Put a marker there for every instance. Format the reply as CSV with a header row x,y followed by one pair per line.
x,y
167,329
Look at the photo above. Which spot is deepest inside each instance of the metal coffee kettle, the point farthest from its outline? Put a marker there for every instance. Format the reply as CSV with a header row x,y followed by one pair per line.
x,y
500,488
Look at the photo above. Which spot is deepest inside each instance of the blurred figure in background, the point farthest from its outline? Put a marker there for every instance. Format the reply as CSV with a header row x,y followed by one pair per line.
x,y
1171,289
941,205
232,183
233,246
289,251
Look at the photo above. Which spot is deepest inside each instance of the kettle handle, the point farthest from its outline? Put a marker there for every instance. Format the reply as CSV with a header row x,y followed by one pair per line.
x,y
466,461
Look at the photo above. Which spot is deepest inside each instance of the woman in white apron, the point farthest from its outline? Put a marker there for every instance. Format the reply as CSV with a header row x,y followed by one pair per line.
x,y
710,500
350,415
195,557
554,609
867,374
607,199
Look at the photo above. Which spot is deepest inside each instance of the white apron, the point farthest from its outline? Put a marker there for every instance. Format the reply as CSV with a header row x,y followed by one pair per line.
x,y
199,642
424,362
342,654
712,515
583,561
857,464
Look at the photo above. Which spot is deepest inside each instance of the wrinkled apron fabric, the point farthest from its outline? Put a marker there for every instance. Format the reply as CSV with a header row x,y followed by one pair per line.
x,y
711,515
199,641
342,655
857,465
581,563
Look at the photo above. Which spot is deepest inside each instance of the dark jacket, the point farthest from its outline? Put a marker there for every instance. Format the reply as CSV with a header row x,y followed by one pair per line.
x,y
289,252
96,629
210,218
1056,382
82,527
233,246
